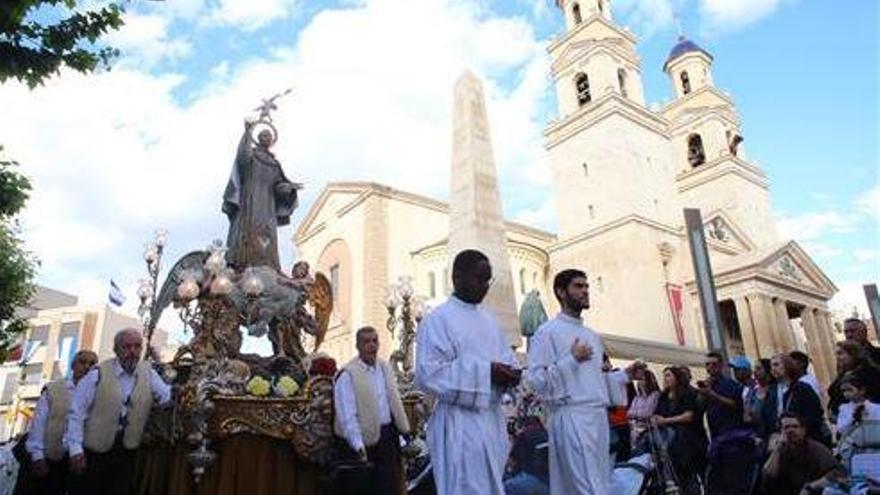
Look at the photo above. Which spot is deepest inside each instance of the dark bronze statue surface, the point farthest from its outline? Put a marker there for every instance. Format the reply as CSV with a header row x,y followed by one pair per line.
x,y
258,199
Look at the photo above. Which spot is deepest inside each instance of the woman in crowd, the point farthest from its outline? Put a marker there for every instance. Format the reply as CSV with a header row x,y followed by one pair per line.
x,y
643,405
678,416
800,398
755,409
852,358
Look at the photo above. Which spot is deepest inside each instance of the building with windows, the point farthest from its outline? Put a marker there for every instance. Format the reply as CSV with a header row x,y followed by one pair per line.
x,y
58,327
622,173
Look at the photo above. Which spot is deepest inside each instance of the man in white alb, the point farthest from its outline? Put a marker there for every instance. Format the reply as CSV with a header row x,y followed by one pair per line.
x,y
465,362
110,408
565,370
370,415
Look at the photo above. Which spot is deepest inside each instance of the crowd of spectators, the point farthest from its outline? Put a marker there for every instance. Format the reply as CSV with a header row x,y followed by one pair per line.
x,y
763,428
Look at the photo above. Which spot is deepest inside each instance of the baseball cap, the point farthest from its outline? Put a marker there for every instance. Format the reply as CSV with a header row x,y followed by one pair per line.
x,y
740,363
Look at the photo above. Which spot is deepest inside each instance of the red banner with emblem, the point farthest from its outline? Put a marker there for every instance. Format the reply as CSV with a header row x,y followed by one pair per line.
x,y
676,306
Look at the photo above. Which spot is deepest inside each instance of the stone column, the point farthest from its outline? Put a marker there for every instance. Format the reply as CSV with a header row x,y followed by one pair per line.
x,y
764,320
826,336
814,348
746,328
785,334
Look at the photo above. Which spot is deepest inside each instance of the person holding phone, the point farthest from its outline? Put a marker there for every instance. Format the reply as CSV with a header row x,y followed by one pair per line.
x,y
464,361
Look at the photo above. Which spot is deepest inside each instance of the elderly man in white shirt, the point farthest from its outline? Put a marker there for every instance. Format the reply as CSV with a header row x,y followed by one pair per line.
x,y
45,443
370,415
565,370
110,408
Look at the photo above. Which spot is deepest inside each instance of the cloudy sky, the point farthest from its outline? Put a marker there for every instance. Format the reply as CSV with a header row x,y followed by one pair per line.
x,y
150,143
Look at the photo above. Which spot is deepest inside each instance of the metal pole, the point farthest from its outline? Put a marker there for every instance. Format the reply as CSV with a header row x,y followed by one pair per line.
x,y
705,283
873,306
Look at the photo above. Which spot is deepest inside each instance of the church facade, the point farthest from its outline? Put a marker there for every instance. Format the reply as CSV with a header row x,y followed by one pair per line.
x,y
622,173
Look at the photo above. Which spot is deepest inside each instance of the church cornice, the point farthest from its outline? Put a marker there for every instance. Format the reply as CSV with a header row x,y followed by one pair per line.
x,y
676,231
698,116
679,104
609,226
763,267
718,168
516,249
610,104
578,52
595,18
366,190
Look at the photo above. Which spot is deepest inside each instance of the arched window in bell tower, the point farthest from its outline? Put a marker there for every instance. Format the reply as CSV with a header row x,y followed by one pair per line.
x,y
582,84
576,13
602,7
685,82
621,80
696,153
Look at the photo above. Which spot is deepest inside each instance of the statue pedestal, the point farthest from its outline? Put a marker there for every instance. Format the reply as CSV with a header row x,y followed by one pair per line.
x,y
294,420
255,445
246,464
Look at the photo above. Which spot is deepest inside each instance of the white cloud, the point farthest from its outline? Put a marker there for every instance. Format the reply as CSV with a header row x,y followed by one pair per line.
x,y
731,15
372,104
144,40
542,217
869,202
812,225
251,14
648,17
850,298
863,255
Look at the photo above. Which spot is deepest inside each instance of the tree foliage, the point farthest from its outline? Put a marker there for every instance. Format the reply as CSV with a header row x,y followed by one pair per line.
x,y
17,265
37,37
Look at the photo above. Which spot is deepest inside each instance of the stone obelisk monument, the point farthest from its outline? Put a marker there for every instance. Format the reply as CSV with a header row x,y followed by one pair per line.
x,y
475,216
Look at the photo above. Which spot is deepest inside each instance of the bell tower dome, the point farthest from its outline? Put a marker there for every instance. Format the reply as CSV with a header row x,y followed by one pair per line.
x,y
689,67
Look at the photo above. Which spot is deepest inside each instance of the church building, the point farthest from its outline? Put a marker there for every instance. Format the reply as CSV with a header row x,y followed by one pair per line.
x,y
622,174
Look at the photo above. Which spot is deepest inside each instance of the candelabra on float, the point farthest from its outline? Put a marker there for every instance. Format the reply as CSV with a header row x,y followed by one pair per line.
x,y
405,311
147,287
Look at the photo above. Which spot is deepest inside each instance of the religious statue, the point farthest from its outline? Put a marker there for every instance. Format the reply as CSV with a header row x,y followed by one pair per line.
x,y
258,198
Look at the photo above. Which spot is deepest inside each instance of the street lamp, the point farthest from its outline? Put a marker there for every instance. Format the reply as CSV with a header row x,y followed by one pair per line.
x,y
147,287
405,311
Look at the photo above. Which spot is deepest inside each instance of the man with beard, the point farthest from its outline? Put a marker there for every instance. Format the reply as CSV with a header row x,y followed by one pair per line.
x,y
108,413
48,467
464,361
565,369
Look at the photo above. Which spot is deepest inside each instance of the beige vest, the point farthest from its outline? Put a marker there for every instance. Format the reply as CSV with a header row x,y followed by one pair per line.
x,y
365,399
59,404
102,422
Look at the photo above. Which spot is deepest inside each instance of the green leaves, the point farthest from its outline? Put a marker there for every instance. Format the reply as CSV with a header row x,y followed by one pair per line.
x,y
34,44
14,189
17,265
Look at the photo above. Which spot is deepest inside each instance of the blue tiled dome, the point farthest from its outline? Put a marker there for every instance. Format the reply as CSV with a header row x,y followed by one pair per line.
x,y
684,46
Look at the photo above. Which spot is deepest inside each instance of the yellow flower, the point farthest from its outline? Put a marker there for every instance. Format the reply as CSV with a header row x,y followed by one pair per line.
x,y
259,386
286,386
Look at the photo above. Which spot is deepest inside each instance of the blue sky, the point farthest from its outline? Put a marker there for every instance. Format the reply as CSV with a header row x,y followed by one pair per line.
x,y
150,143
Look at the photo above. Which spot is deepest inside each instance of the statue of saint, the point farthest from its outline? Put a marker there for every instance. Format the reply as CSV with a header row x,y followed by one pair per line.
x,y
258,199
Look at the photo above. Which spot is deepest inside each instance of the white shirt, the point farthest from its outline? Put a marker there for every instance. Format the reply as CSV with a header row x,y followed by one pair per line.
x,y
84,398
346,403
781,389
556,375
36,441
845,415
